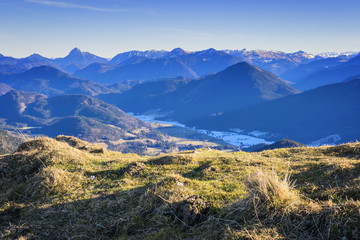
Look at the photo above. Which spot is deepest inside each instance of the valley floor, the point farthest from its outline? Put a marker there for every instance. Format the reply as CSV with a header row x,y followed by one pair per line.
x,y
70,189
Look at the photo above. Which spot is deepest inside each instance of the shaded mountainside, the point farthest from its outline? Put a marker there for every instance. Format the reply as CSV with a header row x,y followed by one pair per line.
x,y
332,75
67,187
51,81
175,63
14,103
18,104
238,86
296,74
9,141
93,70
305,117
141,96
84,128
77,115
9,69
96,121
4,88
208,61
85,106
145,70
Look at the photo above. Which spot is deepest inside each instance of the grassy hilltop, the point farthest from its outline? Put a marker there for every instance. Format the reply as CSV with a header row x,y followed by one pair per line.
x,y
66,188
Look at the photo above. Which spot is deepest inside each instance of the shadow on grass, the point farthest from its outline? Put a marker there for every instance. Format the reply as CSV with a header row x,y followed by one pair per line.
x,y
101,217
325,182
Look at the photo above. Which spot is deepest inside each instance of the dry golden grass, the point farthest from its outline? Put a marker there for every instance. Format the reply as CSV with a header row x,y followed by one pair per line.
x,y
56,189
269,189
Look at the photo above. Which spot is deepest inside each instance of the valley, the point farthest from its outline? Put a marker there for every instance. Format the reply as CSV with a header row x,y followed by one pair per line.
x,y
214,100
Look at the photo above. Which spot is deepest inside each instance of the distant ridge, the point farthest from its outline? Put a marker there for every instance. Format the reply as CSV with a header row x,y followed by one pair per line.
x,y
77,59
306,117
238,86
283,143
51,81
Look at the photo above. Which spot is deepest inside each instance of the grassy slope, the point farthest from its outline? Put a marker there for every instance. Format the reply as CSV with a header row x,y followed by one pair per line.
x,y
54,189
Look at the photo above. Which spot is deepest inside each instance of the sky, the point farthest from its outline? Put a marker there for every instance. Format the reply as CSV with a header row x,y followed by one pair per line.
x,y
107,27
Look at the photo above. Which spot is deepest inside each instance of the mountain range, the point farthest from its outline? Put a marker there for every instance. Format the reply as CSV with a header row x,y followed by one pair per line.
x,y
76,115
273,61
176,63
238,86
93,120
303,70
335,74
328,111
209,89
51,81
75,60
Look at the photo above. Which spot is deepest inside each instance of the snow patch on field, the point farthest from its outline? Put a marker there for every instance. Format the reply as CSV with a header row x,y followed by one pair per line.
x,y
233,137
329,140
152,118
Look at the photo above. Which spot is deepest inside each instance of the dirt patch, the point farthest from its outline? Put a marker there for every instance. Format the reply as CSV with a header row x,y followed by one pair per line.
x,y
80,144
171,159
134,169
193,210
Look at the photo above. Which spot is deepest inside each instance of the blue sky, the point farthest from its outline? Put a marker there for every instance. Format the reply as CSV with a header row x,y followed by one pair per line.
x,y
106,27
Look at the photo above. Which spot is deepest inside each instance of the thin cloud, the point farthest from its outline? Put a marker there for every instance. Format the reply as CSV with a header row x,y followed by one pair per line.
x,y
83,7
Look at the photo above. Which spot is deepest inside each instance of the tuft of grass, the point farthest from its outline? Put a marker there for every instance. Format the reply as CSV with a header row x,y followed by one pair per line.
x,y
269,189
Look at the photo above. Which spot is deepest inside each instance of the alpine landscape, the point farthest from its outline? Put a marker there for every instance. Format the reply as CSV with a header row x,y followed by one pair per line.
x,y
190,135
